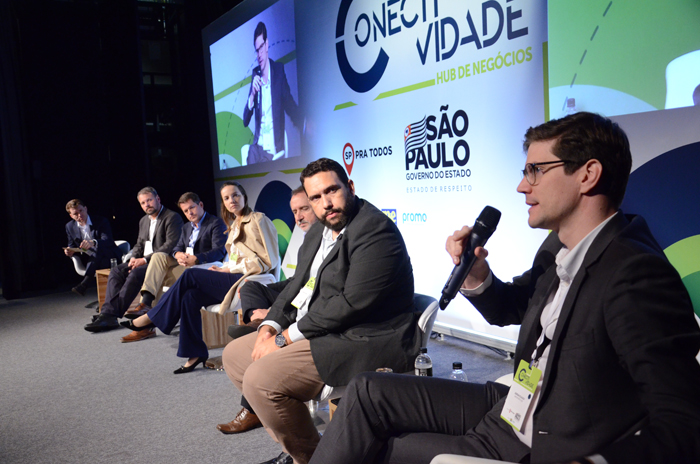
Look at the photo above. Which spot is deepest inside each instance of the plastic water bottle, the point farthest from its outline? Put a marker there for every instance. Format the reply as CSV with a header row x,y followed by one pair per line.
x,y
423,364
457,372
113,263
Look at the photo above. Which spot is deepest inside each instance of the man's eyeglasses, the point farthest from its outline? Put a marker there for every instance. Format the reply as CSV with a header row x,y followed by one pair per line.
x,y
532,171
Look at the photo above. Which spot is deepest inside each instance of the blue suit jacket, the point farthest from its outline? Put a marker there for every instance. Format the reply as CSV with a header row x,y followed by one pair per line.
x,y
101,231
210,244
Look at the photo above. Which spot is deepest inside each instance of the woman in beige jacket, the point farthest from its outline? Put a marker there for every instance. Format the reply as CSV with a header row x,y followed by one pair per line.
x,y
252,249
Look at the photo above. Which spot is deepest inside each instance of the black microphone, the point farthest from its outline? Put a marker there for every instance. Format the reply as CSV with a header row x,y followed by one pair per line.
x,y
484,226
258,97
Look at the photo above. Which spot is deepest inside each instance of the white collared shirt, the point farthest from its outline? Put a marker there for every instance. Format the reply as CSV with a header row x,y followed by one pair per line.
x,y
86,233
154,223
267,133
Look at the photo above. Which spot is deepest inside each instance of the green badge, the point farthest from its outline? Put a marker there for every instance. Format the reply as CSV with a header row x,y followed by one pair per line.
x,y
527,376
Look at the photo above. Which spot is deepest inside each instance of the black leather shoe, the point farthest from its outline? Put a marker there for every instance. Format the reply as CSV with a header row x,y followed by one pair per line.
x,y
103,323
79,289
283,458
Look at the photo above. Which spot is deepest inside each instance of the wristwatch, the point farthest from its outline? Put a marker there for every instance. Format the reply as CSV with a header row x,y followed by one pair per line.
x,y
280,340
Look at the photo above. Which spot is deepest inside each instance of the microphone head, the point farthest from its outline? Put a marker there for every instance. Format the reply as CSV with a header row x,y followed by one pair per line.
x,y
486,223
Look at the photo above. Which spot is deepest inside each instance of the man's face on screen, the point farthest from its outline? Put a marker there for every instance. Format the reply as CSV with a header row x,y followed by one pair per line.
x,y
261,50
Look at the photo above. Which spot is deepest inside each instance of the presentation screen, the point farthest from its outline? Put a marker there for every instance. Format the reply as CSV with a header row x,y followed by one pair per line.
x,y
253,91
618,58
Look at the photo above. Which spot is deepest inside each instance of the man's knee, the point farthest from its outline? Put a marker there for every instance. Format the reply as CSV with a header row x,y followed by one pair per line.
x,y
235,352
119,273
257,381
159,260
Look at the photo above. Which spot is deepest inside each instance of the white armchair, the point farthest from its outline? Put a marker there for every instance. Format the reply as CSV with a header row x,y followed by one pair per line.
x,y
428,306
80,267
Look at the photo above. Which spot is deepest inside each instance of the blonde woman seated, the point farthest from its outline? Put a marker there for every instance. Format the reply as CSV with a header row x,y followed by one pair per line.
x,y
252,248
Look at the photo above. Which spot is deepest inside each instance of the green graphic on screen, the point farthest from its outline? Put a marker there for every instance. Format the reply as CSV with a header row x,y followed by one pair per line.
x,y
620,57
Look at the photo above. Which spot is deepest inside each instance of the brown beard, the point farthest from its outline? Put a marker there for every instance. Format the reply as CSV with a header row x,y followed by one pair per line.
x,y
344,214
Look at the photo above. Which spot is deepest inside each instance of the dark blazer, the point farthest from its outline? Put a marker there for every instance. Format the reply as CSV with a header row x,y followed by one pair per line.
x,y
101,231
210,242
282,102
622,359
361,314
166,235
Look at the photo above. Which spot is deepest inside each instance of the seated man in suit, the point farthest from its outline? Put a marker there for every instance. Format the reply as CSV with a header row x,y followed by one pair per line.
x,y
159,230
270,98
256,300
348,309
605,368
202,240
92,234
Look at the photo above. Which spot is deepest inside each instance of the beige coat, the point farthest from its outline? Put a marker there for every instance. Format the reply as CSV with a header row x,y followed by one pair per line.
x,y
256,241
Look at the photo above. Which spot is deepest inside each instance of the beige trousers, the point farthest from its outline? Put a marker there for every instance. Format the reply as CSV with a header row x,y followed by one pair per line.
x,y
163,270
277,387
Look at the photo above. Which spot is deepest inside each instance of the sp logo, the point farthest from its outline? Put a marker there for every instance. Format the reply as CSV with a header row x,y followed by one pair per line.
x,y
348,157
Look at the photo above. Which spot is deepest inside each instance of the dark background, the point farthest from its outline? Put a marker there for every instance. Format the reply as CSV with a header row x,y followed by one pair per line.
x,y
97,100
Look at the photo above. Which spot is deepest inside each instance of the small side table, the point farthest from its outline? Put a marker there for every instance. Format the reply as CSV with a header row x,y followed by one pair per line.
x,y
102,275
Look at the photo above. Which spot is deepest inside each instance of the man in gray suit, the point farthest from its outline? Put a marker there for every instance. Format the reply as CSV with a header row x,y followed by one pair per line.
x,y
159,230
605,368
348,309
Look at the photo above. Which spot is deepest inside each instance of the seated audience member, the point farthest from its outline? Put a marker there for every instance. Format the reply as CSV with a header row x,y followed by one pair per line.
x,y
159,231
94,236
253,249
607,339
256,300
348,309
202,240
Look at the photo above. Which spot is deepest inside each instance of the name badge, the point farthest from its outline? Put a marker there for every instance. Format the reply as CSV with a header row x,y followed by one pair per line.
x,y
148,248
520,394
190,251
305,293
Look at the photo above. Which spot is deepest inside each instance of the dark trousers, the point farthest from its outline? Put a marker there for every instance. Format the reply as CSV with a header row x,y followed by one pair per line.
x,y
101,260
255,295
394,418
122,288
195,288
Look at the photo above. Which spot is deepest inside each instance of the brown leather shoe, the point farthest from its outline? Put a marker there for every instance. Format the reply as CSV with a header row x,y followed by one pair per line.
x,y
138,311
244,421
139,335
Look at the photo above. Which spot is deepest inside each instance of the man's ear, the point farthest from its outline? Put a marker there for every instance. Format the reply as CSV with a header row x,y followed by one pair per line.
x,y
351,184
590,175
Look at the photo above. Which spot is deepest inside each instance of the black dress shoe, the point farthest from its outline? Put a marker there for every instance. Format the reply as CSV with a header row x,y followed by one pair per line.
x,y
103,323
190,368
79,289
283,458
130,325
